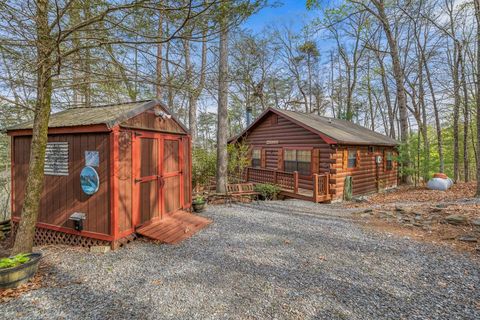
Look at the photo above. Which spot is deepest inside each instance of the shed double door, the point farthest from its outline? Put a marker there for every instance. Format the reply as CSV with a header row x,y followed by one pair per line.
x,y
157,176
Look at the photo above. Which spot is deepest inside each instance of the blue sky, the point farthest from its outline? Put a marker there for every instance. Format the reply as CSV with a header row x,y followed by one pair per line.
x,y
288,11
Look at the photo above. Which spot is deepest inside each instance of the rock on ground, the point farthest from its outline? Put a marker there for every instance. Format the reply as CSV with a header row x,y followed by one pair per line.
x,y
284,260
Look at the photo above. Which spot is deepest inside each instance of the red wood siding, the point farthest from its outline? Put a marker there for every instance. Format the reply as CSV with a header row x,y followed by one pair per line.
x,y
149,189
171,156
171,191
62,195
187,172
125,181
148,120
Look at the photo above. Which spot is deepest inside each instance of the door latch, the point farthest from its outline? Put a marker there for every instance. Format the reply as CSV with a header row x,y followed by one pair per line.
x,y
162,181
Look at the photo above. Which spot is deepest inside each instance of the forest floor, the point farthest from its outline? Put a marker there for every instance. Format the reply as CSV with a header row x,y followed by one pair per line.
x,y
449,217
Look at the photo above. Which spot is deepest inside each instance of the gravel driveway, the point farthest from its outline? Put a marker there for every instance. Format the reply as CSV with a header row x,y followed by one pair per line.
x,y
285,260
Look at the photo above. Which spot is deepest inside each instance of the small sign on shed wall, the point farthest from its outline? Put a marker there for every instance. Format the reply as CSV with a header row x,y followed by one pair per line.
x,y
92,158
56,159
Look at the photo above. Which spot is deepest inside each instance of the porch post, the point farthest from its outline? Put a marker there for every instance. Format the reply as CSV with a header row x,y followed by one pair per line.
x,y
315,187
295,182
327,185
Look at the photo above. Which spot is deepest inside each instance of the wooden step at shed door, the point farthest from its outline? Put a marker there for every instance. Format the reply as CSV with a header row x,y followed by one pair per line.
x,y
174,228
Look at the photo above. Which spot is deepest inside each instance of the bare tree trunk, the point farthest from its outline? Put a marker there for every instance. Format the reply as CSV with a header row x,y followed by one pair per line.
x,y
426,142
477,91
438,125
309,67
222,127
86,69
158,82
192,108
369,93
466,120
386,91
397,71
45,43
76,58
340,89
195,92
170,92
456,108
332,89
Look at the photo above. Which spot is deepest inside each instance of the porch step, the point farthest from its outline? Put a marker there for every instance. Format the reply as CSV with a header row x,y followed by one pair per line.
x,y
175,228
304,196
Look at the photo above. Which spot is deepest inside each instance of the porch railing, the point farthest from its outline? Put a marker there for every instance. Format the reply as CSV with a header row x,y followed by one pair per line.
x,y
285,180
289,181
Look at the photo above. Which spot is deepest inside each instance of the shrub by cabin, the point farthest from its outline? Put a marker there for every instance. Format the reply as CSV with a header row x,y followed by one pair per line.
x,y
108,170
318,158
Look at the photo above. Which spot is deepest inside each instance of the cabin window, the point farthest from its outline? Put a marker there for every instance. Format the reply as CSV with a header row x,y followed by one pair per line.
x,y
372,149
256,158
352,158
298,160
389,161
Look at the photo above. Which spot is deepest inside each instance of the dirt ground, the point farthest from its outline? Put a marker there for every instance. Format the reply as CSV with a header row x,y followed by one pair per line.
x,y
449,217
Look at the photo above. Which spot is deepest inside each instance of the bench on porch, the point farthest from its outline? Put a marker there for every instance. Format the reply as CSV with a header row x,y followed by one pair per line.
x,y
233,191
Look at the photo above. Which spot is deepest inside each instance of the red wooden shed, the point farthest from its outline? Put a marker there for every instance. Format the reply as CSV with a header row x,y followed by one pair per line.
x,y
142,159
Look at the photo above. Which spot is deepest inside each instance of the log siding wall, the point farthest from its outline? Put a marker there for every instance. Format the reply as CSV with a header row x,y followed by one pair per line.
x,y
289,135
364,174
277,132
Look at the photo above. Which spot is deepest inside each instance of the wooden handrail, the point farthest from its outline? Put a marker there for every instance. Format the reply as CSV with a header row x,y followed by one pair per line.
x,y
295,181
286,180
289,180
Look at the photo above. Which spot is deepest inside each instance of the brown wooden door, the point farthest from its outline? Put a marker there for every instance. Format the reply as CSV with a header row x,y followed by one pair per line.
x,y
172,174
147,178
271,161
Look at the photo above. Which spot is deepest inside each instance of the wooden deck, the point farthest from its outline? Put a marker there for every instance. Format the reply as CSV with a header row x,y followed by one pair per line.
x,y
175,228
289,185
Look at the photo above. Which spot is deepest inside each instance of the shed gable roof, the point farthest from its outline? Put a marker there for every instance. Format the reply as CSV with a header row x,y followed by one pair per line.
x,y
333,131
110,115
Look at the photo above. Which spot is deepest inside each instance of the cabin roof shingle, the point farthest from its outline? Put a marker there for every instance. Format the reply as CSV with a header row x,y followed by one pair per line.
x,y
110,115
341,131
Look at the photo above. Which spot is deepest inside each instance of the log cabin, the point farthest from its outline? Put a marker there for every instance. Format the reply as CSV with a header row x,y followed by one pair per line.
x,y
111,172
318,158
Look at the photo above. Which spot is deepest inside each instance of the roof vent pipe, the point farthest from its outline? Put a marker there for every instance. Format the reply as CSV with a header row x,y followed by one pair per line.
x,y
249,116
